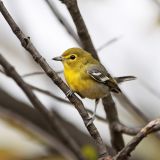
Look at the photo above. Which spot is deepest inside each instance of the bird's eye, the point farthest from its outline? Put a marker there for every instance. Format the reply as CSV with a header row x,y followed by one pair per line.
x,y
72,57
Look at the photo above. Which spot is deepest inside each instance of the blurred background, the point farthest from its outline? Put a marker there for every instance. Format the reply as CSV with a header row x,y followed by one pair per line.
x,y
133,27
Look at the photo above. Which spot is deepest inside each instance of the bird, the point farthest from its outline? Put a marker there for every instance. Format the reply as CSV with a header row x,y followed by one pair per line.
x,y
87,77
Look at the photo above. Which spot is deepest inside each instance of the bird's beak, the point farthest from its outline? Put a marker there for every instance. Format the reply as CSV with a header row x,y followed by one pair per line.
x,y
58,58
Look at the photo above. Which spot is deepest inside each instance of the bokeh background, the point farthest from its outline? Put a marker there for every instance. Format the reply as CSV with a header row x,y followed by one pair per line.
x,y
136,26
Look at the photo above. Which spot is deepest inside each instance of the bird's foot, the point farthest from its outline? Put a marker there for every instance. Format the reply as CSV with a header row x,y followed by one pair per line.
x,y
69,93
90,120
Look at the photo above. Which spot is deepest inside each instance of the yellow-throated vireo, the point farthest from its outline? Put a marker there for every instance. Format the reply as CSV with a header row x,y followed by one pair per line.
x,y
87,77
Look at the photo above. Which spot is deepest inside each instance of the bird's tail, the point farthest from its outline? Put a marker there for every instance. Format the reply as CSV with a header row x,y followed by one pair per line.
x,y
113,83
113,86
124,78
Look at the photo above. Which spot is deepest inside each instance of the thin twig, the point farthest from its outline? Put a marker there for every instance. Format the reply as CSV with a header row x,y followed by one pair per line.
x,y
131,131
48,93
37,73
63,21
26,43
32,74
126,130
106,44
131,107
126,151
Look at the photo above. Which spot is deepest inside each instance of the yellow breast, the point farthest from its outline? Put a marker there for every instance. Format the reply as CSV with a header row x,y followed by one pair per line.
x,y
83,84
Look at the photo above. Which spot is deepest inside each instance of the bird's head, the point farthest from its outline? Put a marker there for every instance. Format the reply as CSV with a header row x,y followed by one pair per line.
x,y
74,57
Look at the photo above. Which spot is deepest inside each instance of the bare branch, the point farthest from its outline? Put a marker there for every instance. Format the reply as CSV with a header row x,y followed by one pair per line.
x,y
63,21
126,151
112,116
26,43
124,129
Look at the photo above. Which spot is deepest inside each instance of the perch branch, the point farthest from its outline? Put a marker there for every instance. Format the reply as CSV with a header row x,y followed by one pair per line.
x,y
26,43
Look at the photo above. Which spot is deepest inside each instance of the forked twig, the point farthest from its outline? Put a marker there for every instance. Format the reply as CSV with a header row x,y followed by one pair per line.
x,y
126,151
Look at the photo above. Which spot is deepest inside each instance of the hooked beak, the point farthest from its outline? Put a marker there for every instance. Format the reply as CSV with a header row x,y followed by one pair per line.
x,y
58,58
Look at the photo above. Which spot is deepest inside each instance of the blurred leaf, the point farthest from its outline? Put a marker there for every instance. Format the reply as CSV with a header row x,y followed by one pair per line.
x,y
89,152
8,155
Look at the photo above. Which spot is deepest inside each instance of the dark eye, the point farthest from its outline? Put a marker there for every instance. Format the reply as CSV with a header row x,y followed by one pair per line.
x,y
72,57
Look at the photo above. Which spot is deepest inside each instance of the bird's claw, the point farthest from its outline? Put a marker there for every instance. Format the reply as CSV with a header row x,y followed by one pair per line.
x,y
69,93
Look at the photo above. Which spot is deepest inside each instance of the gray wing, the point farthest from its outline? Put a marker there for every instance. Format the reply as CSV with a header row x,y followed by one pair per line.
x,y
99,73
